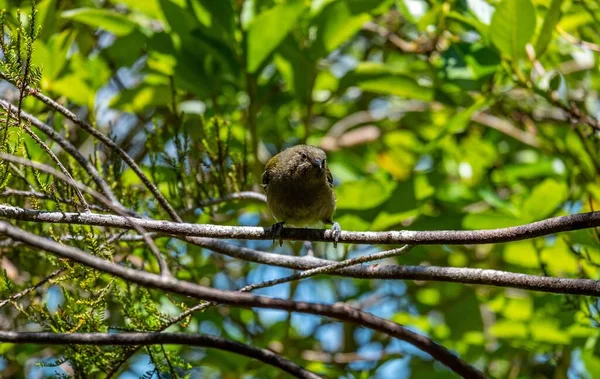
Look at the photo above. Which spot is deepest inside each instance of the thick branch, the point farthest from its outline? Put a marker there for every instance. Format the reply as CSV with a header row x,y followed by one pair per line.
x,y
437,237
202,340
338,311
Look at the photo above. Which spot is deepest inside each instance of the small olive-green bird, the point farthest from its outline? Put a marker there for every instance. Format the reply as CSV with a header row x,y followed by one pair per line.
x,y
299,189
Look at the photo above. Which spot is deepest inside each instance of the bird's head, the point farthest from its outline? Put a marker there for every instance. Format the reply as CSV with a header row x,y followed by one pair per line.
x,y
304,161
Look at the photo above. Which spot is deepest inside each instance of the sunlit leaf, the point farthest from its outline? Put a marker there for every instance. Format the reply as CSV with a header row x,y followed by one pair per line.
x,y
377,78
513,24
267,30
108,20
363,194
550,21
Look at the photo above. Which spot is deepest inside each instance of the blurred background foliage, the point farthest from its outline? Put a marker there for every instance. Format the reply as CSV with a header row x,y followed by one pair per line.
x,y
459,114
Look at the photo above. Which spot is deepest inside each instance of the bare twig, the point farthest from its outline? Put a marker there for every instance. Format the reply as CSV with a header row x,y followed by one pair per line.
x,y
338,311
403,45
577,41
124,339
244,195
506,127
329,268
40,195
32,288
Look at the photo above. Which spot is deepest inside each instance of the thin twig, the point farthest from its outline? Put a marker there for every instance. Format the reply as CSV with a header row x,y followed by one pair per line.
x,y
62,168
244,195
40,195
32,288
319,270
329,268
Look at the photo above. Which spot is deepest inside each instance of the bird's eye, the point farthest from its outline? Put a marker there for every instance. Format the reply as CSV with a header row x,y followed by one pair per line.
x,y
303,155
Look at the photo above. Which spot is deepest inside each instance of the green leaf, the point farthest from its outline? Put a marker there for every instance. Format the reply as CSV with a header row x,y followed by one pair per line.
x,y
338,22
550,21
518,309
371,193
548,331
513,24
476,221
297,69
150,8
108,20
521,253
217,16
267,30
509,329
545,198
141,99
47,18
377,78
429,296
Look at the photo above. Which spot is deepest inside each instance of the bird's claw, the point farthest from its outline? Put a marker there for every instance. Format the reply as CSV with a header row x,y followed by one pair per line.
x,y
276,230
336,232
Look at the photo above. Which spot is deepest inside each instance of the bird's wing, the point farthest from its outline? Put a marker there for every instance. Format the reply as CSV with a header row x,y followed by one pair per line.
x,y
329,178
267,174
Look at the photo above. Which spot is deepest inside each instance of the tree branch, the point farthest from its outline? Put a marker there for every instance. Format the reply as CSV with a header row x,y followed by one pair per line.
x,y
39,195
436,237
338,311
126,339
394,272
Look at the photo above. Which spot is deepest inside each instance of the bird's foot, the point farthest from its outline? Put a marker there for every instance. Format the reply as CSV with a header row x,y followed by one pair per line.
x,y
276,230
336,232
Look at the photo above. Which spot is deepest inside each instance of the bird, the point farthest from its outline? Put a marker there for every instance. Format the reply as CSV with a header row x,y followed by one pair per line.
x,y
299,189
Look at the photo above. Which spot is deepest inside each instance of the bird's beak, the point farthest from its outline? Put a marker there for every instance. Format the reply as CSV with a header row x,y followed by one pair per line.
x,y
318,163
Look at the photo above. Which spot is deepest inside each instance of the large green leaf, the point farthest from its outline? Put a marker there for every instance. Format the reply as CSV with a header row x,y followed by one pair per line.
x,y
47,18
363,194
267,30
545,198
513,24
150,8
140,99
340,20
550,21
106,19
378,78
